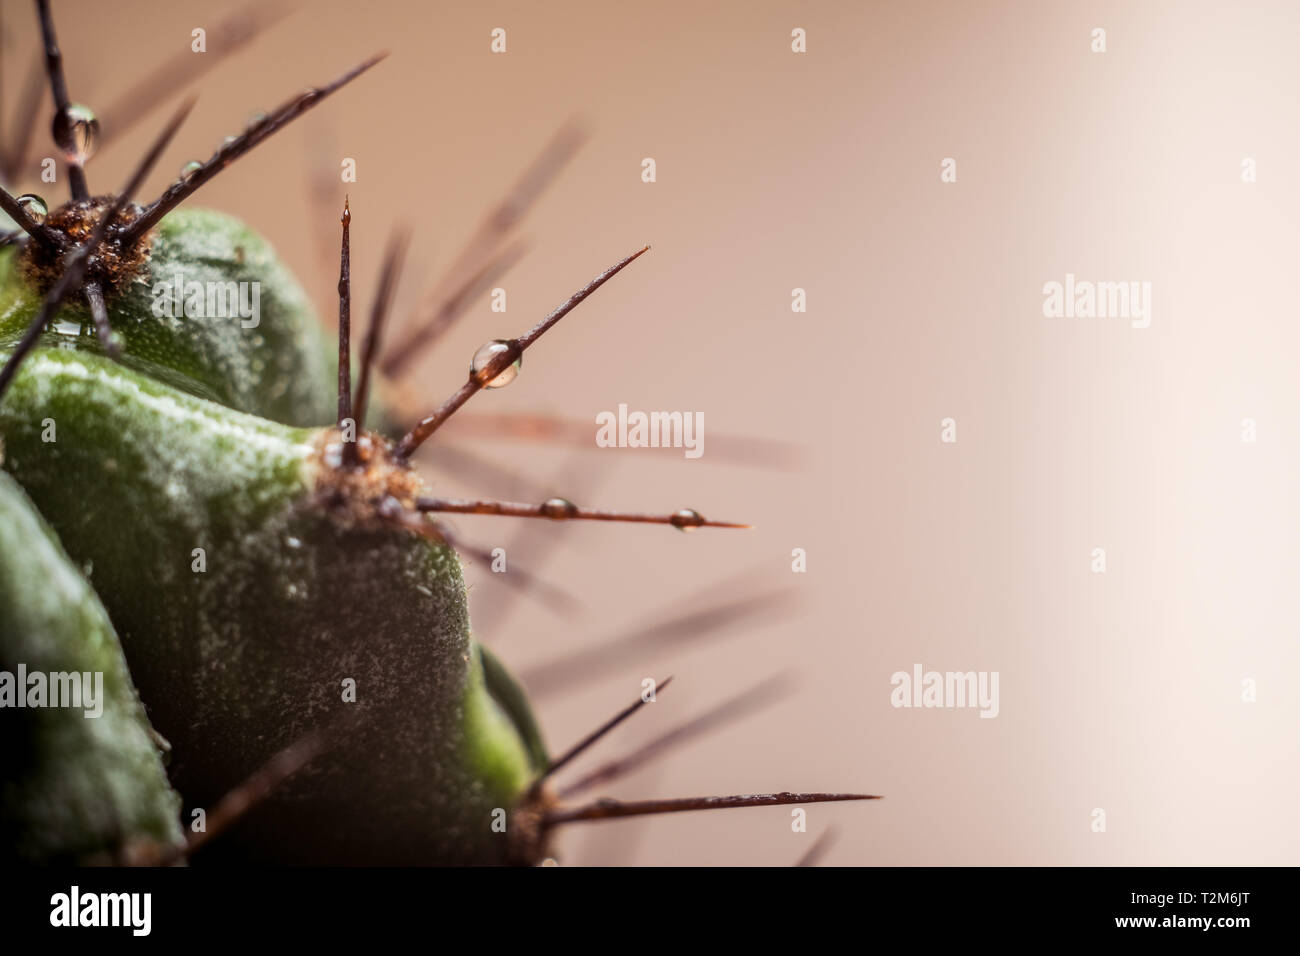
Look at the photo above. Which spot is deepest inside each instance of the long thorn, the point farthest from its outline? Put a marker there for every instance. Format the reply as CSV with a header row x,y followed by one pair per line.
x,y
818,849
394,257
558,509
557,598
345,328
253,791
29,225
25,122
756,698
522,195
493,611
613,809
492,229
59,89
552,430
77,260
181,190
99,311
223,40
502,360
585,665
588,741
475,468
451,308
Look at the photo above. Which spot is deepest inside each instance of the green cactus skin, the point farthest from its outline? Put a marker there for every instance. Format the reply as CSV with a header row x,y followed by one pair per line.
x,y
281,369
304,586
76,789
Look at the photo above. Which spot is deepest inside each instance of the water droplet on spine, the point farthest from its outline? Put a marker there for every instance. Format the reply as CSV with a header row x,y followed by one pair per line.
x,y
76,131
559,509
35,207
483,358
256,118
189,169
687,519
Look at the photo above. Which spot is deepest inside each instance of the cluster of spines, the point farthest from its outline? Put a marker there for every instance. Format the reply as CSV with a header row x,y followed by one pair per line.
x,y
465,281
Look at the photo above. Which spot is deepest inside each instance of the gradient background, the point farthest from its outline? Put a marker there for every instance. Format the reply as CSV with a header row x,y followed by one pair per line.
x,y
1118,690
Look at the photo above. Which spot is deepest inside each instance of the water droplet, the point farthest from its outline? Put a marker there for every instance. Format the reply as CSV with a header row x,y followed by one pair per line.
x,y
687,519
483,358
189,169
559,509
35,207
256,118
76,131
293,542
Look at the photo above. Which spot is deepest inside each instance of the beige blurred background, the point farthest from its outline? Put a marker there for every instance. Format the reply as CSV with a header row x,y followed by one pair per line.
x,y
1119,691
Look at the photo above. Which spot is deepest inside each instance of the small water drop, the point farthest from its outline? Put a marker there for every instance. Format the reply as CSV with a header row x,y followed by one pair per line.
x,y
559,509
189,169
293,542
687,519
35,207
76,131
256,118
483,358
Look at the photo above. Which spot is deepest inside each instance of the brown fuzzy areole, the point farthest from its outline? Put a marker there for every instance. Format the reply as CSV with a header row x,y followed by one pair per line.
x,y
376,488
529,836
111,265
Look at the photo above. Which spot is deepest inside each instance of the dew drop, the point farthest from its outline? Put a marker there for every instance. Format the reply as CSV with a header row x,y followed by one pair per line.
x,y
483,358
293,542
35,207
189,169
76,131
559,509
687,519
256,118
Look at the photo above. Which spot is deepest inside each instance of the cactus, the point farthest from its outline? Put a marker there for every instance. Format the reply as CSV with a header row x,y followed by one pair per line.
x,y
82,785
291,609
